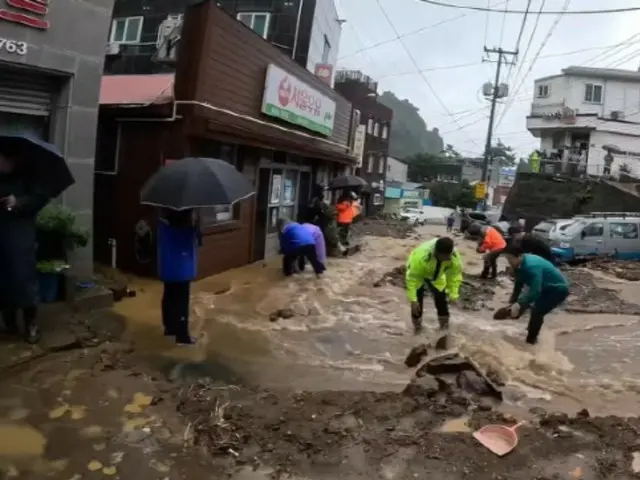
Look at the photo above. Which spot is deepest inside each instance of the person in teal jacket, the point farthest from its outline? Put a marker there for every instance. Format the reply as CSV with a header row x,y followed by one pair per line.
x,y
437,266
546,286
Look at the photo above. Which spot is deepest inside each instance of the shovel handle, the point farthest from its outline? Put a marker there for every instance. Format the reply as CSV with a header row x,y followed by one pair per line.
x,y
517,425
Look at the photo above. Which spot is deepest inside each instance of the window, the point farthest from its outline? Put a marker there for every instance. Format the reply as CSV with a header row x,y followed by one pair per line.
x,y
258,22
593,93
381,164
376,130
593,230
126,30
627,231
370,162
326,50
385,131
377,199
543,91
370,126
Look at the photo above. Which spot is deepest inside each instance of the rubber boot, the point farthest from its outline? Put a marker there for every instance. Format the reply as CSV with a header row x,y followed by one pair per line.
x,y
32,333
443,322
417,324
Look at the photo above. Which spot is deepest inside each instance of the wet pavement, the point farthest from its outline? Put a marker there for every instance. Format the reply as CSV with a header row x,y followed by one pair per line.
x,y
348,332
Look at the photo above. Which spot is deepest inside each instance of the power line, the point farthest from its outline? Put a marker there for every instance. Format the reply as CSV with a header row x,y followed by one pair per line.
x,y
535,58
524,56
524,22
519,39
504,22
415,64
413,32
519,12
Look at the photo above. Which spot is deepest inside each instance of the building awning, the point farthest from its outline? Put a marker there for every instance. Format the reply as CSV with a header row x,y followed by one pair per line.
x,y
136,90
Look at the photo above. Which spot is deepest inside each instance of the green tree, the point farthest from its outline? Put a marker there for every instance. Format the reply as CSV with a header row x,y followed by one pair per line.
x,y
450,153
422,167
452,195
504,154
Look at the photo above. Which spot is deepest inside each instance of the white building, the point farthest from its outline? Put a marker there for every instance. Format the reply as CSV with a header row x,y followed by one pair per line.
x,y
577,113
397,170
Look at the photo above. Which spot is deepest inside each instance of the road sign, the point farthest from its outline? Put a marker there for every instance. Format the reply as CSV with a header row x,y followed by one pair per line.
x,y
481,190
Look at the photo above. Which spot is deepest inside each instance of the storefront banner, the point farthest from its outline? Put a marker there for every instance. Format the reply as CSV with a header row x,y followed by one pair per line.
x,y
358,143
289,99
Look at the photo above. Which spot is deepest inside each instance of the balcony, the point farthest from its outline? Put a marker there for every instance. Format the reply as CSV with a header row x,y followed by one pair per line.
x,y
356,76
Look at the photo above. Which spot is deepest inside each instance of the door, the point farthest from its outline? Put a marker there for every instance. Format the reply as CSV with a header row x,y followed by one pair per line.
x,y
260,227
304,194
591,241
623,240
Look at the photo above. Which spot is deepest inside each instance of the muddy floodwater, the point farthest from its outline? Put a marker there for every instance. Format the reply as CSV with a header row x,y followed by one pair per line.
x,y
349,331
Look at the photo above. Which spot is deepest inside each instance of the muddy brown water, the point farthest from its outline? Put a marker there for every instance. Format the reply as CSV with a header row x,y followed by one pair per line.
x,y
347,334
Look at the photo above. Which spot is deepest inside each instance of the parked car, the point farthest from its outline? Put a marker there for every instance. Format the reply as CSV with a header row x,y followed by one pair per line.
x,y
544,229
414,216
599,234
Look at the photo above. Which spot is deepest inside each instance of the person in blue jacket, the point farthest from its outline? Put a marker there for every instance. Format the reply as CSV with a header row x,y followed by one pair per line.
x,y
178,240
546,286
295,242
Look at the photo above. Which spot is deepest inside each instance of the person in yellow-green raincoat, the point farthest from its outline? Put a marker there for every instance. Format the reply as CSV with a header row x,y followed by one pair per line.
x,y
437,266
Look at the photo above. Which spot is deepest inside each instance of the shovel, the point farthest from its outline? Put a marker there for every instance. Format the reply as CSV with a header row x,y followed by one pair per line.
x,y
500,439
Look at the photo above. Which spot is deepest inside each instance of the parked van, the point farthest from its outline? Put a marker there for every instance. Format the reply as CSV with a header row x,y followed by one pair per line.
x,y
612,234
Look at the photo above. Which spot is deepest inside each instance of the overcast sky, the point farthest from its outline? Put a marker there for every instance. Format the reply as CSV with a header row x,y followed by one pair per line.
x,y
370,44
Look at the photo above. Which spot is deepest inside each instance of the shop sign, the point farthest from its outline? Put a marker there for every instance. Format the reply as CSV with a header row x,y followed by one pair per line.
x,y
289,99
12,46
29,13
358,143
481,190
324,72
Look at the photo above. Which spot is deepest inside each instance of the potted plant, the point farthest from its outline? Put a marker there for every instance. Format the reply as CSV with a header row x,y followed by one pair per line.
x,y
57,235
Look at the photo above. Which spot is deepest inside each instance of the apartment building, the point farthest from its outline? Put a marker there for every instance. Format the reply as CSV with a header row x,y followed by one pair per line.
x,y
588,121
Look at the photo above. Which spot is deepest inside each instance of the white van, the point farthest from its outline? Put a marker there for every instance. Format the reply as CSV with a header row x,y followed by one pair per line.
x,y
612,234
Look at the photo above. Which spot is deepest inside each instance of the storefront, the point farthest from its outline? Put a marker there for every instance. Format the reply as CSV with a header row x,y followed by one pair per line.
x,y
49,85
238,98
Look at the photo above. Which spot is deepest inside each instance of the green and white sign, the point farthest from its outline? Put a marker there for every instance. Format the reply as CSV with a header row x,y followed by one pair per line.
x,y
289,99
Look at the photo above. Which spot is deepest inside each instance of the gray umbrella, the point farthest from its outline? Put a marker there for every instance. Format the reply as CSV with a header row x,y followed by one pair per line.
x,y
194,183
347,181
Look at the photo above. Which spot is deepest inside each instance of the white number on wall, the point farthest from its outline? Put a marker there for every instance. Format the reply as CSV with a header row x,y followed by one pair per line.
x,y
11,46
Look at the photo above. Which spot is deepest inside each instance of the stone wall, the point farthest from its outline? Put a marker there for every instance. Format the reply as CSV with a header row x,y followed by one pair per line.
x,y
539,196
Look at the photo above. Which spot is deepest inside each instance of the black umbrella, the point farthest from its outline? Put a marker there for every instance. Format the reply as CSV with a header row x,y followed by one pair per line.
x,y
347,181
194,183
41,159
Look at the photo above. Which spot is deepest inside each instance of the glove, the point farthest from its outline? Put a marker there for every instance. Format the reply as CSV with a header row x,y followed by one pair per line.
x,y
514,310
416,311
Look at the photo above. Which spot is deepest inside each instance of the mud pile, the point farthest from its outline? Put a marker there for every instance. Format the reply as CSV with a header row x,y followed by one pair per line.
x,y
475,293
345,434
383,227
624,270
587,296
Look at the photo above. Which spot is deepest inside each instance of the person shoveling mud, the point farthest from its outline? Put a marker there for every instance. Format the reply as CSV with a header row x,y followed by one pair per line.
x,y
435,265
547,288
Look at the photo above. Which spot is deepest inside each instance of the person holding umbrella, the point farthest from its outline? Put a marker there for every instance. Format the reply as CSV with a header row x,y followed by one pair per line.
x,y
180,189
31,172
178,239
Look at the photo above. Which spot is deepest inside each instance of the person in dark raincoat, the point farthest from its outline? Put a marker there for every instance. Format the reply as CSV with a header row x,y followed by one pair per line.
x,y
20,203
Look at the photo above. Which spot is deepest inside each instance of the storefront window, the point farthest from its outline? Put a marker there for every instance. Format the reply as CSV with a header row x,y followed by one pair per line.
x,y
290,187
212,216
275,195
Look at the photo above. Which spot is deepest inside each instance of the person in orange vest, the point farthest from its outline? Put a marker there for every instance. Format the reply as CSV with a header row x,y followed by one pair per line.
x,y
346,213
492,244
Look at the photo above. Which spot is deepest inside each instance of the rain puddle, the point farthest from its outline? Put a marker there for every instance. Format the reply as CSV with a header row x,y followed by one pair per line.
x,y
344,333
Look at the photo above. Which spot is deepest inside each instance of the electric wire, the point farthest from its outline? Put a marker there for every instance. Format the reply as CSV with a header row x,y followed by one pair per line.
x,y
415,64
504,23
516,12
546,39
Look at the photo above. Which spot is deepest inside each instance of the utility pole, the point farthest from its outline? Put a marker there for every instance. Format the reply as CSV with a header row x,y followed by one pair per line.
x,y
496,94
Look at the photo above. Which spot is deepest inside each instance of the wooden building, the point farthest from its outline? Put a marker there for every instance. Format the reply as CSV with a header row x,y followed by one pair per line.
x,y
232,96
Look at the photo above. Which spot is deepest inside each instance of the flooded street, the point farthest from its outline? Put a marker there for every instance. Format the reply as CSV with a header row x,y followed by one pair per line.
x,y
344,333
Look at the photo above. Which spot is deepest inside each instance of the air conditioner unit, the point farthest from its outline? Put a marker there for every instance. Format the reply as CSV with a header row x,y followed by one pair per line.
x,y
617,114
113,48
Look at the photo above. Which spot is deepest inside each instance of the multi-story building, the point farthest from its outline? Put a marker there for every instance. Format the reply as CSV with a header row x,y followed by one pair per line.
x,y
588,121
397,170
306,30
375,118
51,59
